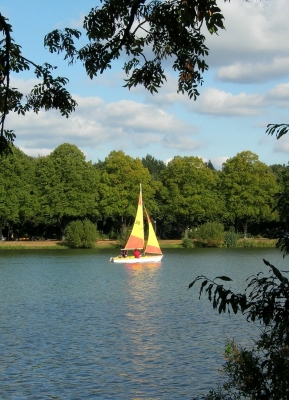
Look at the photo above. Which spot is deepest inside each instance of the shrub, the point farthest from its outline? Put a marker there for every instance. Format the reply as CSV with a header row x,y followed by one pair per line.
x,y
188,243
81,234
211,234
231,238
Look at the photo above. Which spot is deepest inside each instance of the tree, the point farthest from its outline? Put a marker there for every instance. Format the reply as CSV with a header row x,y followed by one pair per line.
x,y
261,372
81,234
148,32
67,186
210,165
249,187
119,188
154,166
50,93
210,234
190,192
16,175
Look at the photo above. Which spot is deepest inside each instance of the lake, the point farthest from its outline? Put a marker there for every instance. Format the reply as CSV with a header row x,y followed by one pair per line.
x,y
74,326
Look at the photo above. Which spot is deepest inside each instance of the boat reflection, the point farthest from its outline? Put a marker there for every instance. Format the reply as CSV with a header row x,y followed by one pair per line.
x,y
139,266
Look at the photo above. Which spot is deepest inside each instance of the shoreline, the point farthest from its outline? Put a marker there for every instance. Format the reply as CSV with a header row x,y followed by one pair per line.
x,y
58,244
113,244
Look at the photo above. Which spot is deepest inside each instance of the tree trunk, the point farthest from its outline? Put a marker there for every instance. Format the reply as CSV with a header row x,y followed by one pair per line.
x,y
245,226
1,227
186,232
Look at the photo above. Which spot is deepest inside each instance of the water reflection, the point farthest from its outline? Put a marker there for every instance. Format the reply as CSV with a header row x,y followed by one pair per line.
x,y
140,267
74,326
142,322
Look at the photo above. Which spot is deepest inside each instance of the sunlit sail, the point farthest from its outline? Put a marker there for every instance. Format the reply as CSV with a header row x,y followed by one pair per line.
x,y
152,252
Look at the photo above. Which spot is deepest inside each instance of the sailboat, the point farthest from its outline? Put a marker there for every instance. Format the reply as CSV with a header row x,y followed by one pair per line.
x,y
152,252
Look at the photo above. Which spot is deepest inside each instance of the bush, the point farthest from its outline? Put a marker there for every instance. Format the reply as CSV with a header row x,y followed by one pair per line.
x,y
231,238
188,243
81,234
211,234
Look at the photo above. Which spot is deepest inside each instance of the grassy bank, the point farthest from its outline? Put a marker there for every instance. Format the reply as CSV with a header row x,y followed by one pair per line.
x,y
113,244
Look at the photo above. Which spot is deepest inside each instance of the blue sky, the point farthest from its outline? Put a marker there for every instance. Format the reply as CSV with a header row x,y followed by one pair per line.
x,y
246,88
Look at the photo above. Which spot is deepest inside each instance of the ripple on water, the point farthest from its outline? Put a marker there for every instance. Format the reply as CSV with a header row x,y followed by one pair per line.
x,y
74,326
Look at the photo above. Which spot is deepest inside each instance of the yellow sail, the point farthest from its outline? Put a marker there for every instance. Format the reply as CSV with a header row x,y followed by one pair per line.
x,y
152,246
136,239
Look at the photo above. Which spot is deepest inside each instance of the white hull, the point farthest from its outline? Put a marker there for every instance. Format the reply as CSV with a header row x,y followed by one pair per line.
x,y
133,260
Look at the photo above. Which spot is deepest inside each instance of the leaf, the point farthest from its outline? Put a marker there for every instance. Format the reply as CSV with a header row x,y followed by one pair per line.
x,y
224,278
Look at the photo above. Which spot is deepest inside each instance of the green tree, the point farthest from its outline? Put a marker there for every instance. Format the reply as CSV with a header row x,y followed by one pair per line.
x,y
210,165
119,188
16,174
190,192
282,206
154,166
210,234
50,93
249,187
67,186
262,371
149,33
81,234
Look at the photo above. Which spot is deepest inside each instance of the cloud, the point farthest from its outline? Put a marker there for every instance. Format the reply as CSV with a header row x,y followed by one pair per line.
x,y
282,145
254,33
219,161
125,125
254,72
182,143
279,95
254,47
218,102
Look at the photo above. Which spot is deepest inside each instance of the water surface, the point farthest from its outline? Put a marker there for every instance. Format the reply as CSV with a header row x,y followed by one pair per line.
x,y
74,326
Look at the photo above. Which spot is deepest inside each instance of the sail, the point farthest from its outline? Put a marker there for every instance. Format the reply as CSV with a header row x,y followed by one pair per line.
x,y
136,239
152,243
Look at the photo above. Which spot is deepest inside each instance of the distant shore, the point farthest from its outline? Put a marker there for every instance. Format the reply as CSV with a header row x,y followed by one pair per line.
x,y
108,244
58,244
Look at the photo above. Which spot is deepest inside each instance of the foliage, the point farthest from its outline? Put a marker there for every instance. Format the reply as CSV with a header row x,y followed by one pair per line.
x,y
261,372
149,33
210,165
231,238
67,185
119,188
81,234
123,236
278,129
50,93
16,177
249,187
154,166
190,192
188,243
210,234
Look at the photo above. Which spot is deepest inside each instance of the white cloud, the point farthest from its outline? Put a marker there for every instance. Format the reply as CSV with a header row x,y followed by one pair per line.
x,y
254,47
182,143
218,102
282,145
254,72
254,32
122,125
279,95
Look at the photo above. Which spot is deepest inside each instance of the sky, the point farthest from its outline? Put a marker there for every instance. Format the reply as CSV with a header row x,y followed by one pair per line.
x,y
246,88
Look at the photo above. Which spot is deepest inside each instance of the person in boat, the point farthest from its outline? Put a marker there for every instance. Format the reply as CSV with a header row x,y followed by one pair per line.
x,y
123,253
136,253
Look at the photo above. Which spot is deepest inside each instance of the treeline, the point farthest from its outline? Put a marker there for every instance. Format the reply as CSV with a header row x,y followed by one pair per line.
x,y
40,196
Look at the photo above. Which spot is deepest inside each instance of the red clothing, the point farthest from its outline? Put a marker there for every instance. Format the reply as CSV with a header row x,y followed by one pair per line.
x,y
136,253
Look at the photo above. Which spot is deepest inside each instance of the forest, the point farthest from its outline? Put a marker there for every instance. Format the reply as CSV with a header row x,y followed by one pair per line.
x,y
40,196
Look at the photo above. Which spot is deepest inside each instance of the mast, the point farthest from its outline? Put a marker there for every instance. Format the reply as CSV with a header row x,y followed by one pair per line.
x,y
136,239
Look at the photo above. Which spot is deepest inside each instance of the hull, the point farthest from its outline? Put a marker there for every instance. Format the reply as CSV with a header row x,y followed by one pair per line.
x,y
133,260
